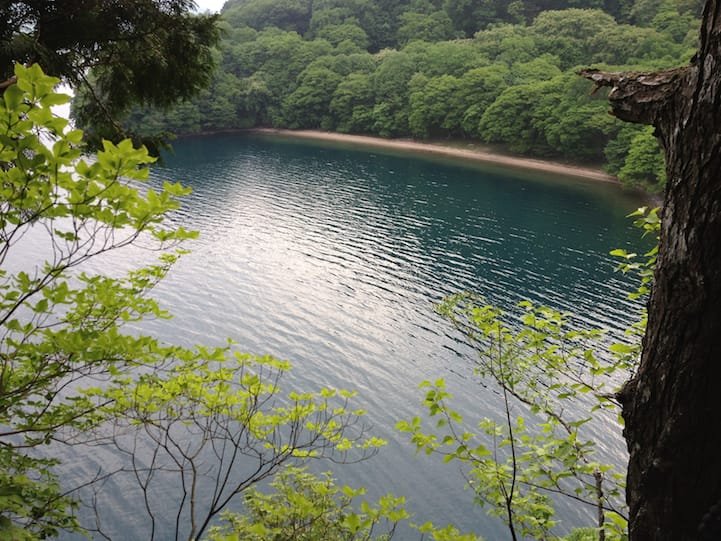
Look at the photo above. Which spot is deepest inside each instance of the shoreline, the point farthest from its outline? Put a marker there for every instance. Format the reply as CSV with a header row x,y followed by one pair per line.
x,y
474,155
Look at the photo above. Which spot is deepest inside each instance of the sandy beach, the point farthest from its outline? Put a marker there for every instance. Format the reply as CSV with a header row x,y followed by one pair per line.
x,y
447,151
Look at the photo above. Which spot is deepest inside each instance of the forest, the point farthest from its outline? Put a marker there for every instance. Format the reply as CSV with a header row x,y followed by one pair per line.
x,y
503,73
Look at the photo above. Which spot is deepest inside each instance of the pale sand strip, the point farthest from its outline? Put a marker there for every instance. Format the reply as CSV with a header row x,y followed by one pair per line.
x,y
428,148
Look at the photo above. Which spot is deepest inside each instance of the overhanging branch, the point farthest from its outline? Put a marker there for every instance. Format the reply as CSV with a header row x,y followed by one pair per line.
x,y
8,82
640,97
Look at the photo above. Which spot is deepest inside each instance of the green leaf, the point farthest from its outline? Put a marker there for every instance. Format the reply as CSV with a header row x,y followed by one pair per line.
x,y
13,97
621,348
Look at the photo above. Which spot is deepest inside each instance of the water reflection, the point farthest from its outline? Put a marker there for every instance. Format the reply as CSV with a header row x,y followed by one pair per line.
x,y
334,259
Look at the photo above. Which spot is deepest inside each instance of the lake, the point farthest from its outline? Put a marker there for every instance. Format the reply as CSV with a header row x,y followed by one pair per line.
x,y
334,258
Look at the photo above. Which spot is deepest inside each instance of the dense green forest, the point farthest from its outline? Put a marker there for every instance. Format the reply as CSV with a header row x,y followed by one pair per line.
x,y
488,70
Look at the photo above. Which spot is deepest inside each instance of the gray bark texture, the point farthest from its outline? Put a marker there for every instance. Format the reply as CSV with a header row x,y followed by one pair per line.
x,y
672,406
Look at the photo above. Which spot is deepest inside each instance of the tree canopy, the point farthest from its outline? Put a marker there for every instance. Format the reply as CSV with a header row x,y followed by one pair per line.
x,y
122,52
494,72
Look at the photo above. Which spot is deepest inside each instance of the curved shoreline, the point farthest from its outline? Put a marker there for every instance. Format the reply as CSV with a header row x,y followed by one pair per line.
x,y
480,156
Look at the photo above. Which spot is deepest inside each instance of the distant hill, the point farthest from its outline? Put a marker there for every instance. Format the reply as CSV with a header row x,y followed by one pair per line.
x,y
491,70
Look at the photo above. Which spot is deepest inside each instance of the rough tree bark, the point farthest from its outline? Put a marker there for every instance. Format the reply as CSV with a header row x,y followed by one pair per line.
x,y
672,406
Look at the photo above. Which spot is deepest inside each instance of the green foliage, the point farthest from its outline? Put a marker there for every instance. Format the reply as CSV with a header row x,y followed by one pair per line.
x,y
305,507
634,155
72,372
617,148
390,83
479,88
574,122
431,113
582,534
565,33
289,15
378,19
215,406
510,119
513,83
59,328
137,52
470,16
554,384
436,26
344,33
542,366
644,166
541,369
445,57
649,222
352,104
507,44
307,106
555,117
541,68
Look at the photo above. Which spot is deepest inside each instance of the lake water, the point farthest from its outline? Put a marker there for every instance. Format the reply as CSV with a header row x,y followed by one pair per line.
x,y
333,258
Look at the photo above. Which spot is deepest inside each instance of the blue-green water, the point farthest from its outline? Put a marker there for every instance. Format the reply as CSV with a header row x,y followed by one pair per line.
x,y
334,258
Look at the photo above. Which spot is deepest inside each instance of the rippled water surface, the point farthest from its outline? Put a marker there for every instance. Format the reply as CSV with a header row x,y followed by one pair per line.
x,y
333,258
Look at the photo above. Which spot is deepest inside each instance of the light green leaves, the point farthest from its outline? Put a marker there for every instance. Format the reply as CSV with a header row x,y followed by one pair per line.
x,y
553,383
13,97
33,82
307,507
71,370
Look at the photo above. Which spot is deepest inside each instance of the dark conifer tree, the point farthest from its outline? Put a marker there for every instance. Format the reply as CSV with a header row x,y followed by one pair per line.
x,y
122,52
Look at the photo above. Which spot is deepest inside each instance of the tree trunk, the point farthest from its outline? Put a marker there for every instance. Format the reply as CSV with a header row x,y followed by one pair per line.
x,y
672,406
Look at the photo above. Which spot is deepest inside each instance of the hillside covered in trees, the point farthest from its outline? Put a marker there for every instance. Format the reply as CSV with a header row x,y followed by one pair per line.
x,y
488,70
